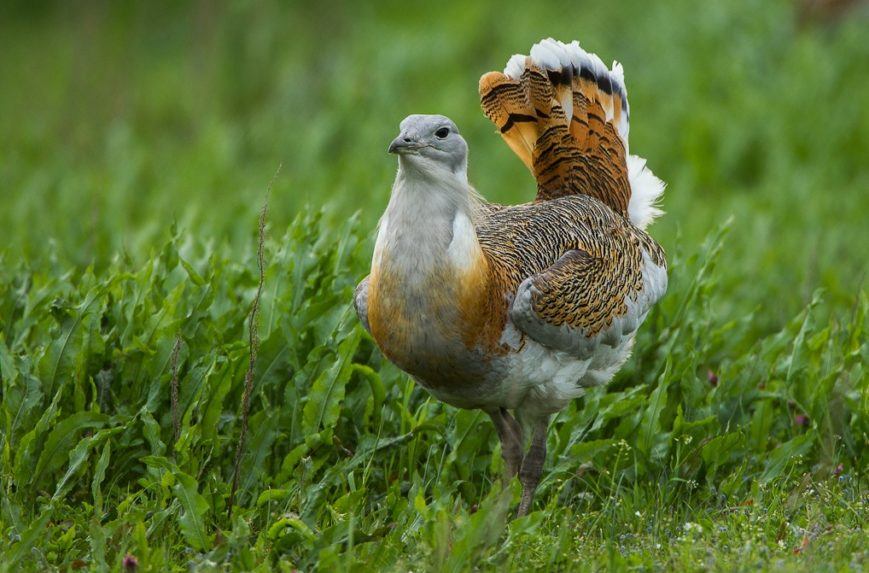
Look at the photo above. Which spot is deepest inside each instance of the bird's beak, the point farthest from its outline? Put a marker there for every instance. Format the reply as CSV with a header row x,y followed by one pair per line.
x,y
403,144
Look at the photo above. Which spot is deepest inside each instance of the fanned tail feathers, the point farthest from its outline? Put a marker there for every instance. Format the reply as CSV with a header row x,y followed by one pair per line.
x,y
567,118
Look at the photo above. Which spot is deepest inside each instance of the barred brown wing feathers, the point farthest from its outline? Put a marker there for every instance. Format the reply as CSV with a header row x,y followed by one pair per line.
x,y
574,270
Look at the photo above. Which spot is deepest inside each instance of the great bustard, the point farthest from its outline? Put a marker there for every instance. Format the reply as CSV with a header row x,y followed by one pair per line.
x,y
519,307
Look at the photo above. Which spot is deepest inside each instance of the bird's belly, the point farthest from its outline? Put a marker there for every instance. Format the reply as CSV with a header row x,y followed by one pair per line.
x,y
428,325
546,380
534,377
426,342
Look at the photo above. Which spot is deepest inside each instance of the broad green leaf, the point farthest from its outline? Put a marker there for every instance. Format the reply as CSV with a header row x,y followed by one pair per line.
x,y
219,384
290,524
60,440
720,449
79,455
18,551
651,434
271,495
263,433
785,453
191,272
151,432
99,476
64,348
8,370
194,507
324,399
587,451
21,391
291,459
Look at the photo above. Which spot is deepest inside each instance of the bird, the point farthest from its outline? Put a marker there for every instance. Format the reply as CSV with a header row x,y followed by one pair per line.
x,y
517,310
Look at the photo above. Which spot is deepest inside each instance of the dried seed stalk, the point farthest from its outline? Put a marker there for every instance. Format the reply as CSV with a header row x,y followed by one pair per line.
x,y
176,416
253,343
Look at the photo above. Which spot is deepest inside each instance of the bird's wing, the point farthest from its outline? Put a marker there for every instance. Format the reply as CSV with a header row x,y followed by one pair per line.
x,y
360,302
566,116
580,275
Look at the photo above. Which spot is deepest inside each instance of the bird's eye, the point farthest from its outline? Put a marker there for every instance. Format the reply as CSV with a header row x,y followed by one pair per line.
x,y
442,132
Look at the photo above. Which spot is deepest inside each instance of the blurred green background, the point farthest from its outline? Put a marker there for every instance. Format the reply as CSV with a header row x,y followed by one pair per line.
x,y
137,141
118,119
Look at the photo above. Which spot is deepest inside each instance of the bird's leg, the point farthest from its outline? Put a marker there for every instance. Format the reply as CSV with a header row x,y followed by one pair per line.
x,y
510,433
532,464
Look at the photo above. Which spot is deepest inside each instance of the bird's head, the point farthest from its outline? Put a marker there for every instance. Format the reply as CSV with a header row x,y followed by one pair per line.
x,y
432,145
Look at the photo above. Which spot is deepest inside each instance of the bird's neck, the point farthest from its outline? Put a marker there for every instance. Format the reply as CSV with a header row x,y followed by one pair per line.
x,y
428,266
428,225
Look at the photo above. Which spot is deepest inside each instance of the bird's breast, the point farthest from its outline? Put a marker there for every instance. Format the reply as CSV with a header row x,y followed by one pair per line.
x,y
430,323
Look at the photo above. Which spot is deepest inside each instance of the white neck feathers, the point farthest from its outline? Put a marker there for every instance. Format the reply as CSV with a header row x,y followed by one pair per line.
x,y
428,225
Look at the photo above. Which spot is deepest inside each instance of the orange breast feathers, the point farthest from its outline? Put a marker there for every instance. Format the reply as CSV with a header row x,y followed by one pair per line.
x,y
446,306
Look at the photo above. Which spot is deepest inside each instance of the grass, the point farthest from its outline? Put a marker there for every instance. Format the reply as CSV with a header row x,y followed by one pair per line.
x,y
138,143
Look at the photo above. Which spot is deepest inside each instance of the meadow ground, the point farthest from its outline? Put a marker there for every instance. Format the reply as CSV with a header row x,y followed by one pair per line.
x,y
136,146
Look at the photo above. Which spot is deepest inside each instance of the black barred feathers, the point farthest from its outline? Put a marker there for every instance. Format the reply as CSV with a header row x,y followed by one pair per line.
x,y
566,116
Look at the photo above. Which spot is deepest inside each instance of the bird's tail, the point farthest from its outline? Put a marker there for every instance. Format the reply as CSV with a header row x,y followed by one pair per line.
x,y
565,114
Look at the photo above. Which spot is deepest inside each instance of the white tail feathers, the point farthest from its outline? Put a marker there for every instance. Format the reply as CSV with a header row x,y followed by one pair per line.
x,y
646,191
